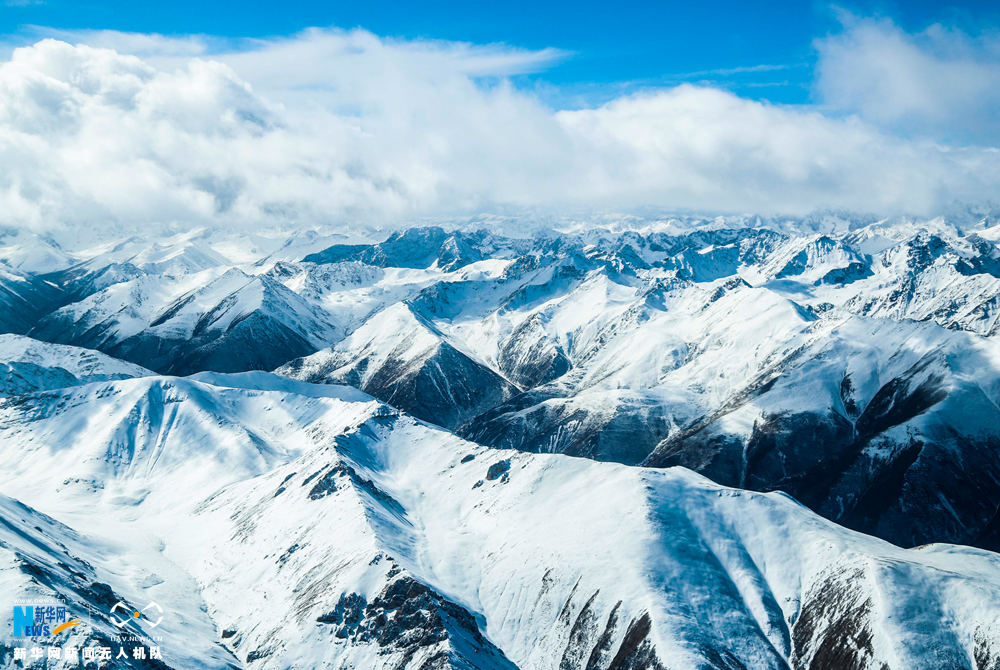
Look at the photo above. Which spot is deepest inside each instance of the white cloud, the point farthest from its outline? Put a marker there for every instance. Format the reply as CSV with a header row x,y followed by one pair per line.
x,y
342,126
941,82
145,45
699,147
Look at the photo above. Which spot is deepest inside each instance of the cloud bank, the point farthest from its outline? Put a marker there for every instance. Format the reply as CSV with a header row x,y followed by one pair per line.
x,y
331,127
939,83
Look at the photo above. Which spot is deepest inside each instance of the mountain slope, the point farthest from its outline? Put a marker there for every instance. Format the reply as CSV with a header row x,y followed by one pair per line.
x,y
44,561
31,365
352,536
232,322
847,362
888,428
401,358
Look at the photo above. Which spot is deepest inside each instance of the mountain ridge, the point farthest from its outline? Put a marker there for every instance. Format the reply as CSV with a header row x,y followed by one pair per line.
x,y
649,558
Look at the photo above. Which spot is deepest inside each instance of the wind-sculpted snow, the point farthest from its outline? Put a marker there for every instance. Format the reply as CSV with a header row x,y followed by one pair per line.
x,y
283,524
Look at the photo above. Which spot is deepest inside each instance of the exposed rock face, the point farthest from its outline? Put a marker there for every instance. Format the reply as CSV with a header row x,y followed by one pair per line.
x,y
870,464
401,358
768,359
294,522
232,324
322,528
407,618
626,431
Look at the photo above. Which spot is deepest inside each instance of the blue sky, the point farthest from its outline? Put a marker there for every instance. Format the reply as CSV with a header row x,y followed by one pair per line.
x,y
760,50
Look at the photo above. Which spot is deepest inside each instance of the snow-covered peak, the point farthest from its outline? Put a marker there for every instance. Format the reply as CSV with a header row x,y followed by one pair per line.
x,y
31,365
391,543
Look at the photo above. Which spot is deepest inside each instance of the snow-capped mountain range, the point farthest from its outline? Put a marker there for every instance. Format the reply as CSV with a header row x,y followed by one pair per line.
x,y
682,445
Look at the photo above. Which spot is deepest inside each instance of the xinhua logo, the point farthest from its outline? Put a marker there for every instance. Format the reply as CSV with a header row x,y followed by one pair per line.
x,y
42,620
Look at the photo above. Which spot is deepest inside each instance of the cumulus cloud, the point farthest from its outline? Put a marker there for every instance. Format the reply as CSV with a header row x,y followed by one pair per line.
x,y
334,127
940,82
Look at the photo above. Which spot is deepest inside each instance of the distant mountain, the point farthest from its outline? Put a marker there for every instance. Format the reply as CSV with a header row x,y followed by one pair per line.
x,y
400,356
24,299
421,248
231,322
850,364
30,365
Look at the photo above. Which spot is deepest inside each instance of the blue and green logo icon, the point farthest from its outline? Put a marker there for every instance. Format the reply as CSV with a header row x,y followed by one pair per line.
x,y
42,620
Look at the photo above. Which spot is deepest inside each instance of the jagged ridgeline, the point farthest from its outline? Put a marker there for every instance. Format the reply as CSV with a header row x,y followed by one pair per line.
x,y
287,525
855,369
